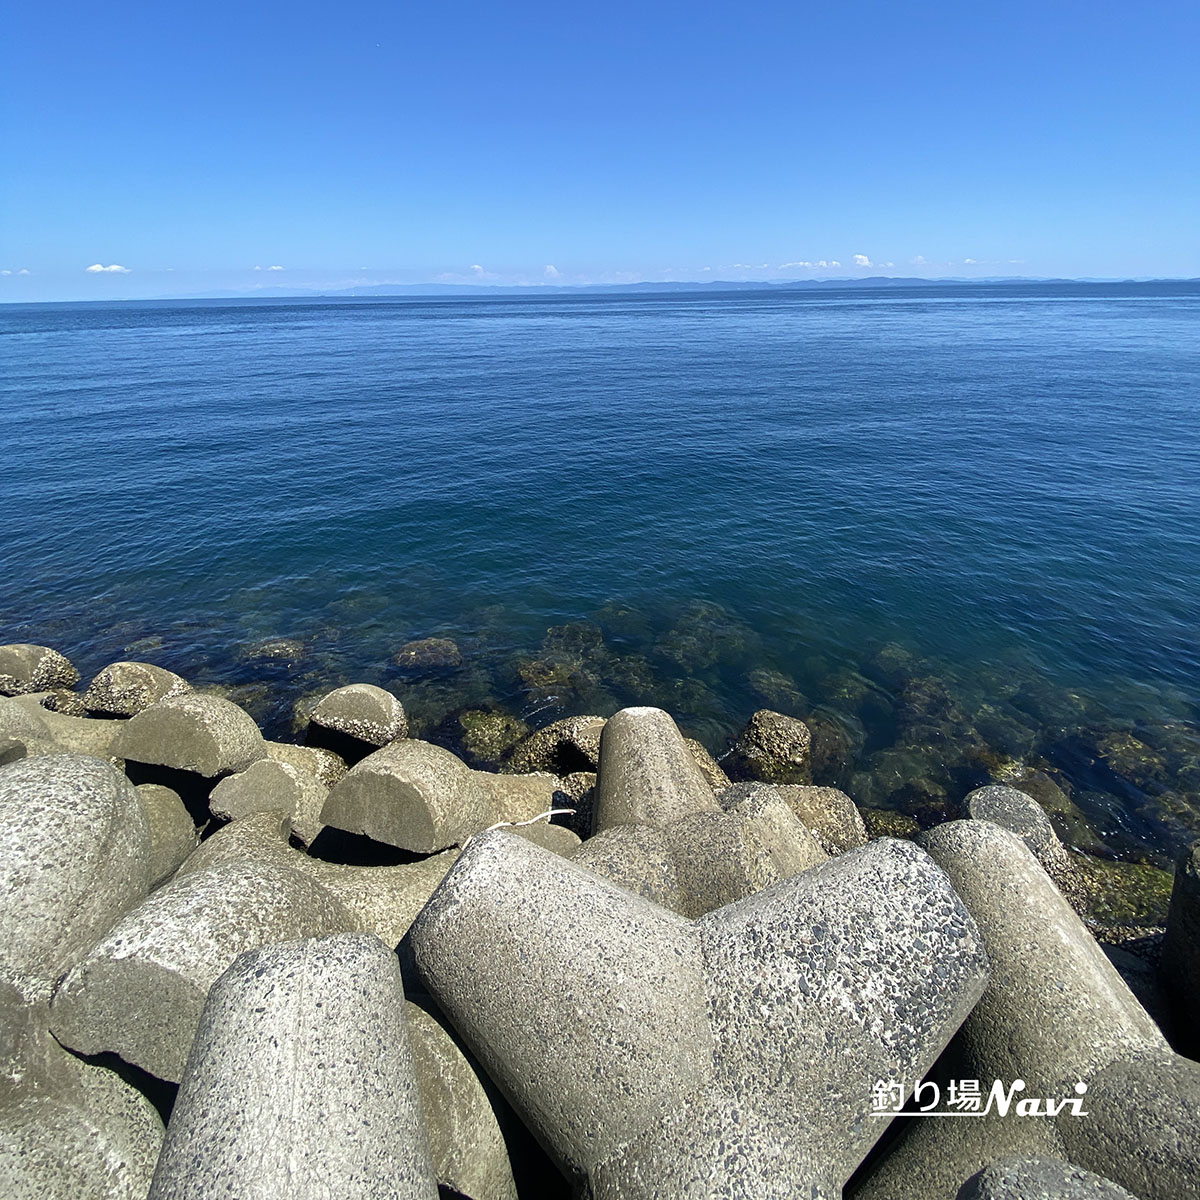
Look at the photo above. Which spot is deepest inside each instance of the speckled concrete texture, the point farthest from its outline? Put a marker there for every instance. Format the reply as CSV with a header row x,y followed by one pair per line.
x,y
1021,814
27,668
139,991
76,735
730,1056
519,797
193,732
466,1144
383,900
647,774
18,721
1057,1011
322,764
725,856
637,858
75,855
585,1003
1039,1179
362,711
1143,1126
271,786
300,1082
125,688
831,815
410,794
173,836
69,1130
562,747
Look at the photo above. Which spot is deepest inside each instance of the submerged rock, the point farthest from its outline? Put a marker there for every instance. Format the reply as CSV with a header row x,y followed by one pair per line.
x,y
429,654
773,748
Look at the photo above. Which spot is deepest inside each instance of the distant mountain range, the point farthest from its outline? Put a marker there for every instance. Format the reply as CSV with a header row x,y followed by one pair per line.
x,y
482,289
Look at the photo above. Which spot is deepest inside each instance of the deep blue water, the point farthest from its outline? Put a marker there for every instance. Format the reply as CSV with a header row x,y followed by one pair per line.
x,y
1003,480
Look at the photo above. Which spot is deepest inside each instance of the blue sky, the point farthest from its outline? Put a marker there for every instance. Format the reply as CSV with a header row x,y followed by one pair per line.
x,y
530,142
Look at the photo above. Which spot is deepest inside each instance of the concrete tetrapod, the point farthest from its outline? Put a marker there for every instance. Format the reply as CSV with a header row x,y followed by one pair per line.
x,y
380,900
730,1056
410,794
69,1130
300,1082
647,774
139,991
1055,1013
75,855
207,735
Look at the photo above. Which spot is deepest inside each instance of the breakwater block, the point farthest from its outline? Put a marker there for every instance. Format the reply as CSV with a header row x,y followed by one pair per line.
x,y
300,1082
733,1055
1055,1014
647,775
207,735
140,990
75,856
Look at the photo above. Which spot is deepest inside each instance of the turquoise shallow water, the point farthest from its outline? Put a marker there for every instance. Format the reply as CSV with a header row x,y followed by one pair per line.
x,y
729,500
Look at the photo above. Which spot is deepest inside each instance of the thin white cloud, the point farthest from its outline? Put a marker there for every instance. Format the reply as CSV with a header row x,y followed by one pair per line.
x,y
113,269
801,263
552,272
919,261
24,271
861,260
5,272
478,269
275,268
970,262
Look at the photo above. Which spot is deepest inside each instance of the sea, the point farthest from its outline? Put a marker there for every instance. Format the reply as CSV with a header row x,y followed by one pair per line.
x,y
954,527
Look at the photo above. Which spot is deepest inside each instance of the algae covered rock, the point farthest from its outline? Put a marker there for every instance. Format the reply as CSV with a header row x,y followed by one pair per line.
x,y
429,655
26,668
361,711
125,688
773,748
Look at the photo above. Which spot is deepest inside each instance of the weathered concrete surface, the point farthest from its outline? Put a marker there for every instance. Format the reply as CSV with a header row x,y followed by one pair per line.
x,y
381,900
320,763
1055,1013
23,723
1143,1127
635,857
1181,949
75,854
713,772
773,748
140,990
1039,1179
361,711
550,837
173,836
125,688
75,735
730,1056
647,774
68,1129
272,786
1057,1010
1021,814
466,1144
725,856
513,798
831,815
27,668
196,732
301,1082
412,795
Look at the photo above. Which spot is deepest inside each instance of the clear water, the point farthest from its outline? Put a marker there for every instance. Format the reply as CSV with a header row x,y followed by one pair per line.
x,y
735,500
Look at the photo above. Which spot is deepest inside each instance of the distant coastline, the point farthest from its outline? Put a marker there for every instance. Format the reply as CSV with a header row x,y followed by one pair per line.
x,y
482,291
